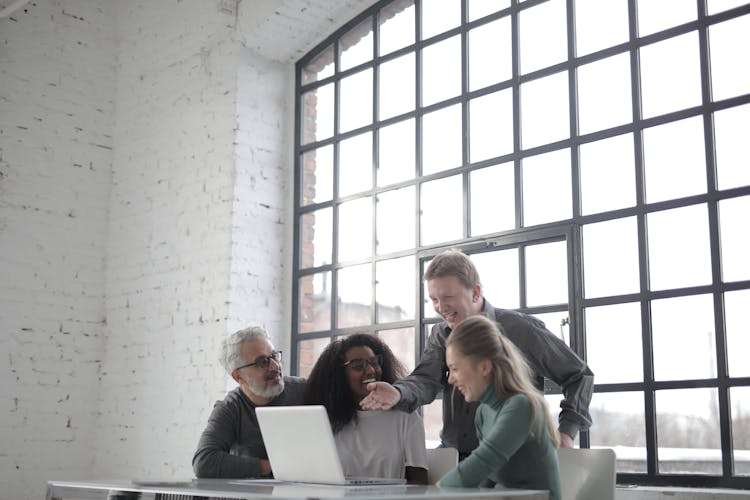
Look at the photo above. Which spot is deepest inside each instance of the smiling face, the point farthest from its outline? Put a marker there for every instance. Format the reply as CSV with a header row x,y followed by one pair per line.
x,y
452,300
468,376
261,385
363,367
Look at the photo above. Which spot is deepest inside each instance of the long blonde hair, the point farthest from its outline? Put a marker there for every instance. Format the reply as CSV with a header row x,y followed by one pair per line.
x,y
480,338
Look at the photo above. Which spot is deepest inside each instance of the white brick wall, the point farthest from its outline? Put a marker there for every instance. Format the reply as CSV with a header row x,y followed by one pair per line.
x,y
145,205
170,235
56,91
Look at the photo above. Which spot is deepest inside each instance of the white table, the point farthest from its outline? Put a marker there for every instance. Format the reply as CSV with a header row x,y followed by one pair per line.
x,y
252,490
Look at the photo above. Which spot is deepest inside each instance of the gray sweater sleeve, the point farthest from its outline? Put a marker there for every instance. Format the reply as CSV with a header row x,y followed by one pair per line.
x,y
550,357
231,445
217,455
423,385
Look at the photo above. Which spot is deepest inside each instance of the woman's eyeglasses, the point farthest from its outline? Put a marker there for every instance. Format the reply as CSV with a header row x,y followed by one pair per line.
x,y
263,361
360,365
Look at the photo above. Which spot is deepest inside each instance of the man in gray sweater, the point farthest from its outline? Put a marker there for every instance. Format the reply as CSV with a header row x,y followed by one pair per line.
x,y
231,446
456,293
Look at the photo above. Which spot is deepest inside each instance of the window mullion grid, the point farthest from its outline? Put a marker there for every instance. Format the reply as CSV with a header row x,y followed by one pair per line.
x,y
516,78
649,396
337,202
297,233
725,423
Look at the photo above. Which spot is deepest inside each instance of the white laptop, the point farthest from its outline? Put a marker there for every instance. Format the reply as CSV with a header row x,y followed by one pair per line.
x,y
300,446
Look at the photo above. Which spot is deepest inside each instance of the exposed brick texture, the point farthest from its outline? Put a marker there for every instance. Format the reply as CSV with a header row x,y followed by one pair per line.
x,y
145,212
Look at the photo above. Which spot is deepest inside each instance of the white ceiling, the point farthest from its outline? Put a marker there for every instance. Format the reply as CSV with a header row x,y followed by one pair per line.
x,y
285,30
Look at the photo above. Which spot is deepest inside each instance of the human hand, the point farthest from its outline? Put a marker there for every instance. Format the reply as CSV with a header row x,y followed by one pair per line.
x,y
265,467
566,441
382,396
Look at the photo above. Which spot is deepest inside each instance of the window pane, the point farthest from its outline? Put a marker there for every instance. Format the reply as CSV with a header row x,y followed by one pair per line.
x,y
401,342
544,110
356,45
499,272
309,351
732,147
438,16
604,97
658,16
687,322
396,155
714,6
396,220
481,8
547,274
316,238
441,144
356,101
678,248
317,114
600,24
355,164
670,75
320,67
396,26
610,258
491,125
620,422
730,73
546,187
737,320
433,421
614,344
317,175
489,62
355,229
397,86
394,289
442,210
558,323
314,313
687,423
427,310
543,36
735,238
355,296
674,151
493,205
739,398
441,71
607,174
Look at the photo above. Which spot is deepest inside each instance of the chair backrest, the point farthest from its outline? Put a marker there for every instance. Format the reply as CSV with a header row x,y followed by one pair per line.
x,y
587,474
440,461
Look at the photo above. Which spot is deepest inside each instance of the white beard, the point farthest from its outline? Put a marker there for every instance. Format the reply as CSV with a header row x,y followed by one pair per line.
x,y
268,392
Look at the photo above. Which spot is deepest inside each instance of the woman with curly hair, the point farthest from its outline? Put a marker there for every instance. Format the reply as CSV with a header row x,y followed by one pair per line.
x,y
517,437
370,443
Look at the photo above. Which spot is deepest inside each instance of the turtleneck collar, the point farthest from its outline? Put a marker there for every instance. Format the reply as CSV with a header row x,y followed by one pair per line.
x,y
490,397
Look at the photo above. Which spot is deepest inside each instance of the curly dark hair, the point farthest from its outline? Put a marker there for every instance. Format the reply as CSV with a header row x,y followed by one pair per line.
x,y
327,384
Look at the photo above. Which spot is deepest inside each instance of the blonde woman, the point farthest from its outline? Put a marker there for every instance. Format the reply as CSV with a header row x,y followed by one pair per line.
x,y
517,438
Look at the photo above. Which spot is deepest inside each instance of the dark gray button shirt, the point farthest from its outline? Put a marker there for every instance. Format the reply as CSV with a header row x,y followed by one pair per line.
x,y
547,355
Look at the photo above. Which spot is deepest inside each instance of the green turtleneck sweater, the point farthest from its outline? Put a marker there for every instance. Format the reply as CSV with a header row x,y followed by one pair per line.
x,y
508,455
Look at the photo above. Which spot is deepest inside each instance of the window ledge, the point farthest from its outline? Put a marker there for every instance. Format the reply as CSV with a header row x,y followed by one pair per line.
x,y
664,493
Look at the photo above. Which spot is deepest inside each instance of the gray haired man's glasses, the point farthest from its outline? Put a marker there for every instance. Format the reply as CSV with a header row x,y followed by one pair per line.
x,y
262,362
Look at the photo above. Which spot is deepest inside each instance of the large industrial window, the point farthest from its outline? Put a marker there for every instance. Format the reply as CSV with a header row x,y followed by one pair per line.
x,y
592,157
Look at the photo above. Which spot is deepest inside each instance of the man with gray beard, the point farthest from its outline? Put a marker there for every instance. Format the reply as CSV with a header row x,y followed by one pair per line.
x,y
231,446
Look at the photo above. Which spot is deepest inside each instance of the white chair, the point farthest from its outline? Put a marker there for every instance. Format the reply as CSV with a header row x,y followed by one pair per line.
x,y
440,461
587,474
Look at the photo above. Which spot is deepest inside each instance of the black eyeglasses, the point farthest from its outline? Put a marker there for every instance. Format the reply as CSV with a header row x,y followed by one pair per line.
x,y
360,365
263,361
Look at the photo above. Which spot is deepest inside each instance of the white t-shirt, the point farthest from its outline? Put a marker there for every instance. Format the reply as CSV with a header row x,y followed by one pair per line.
x,y
382,443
